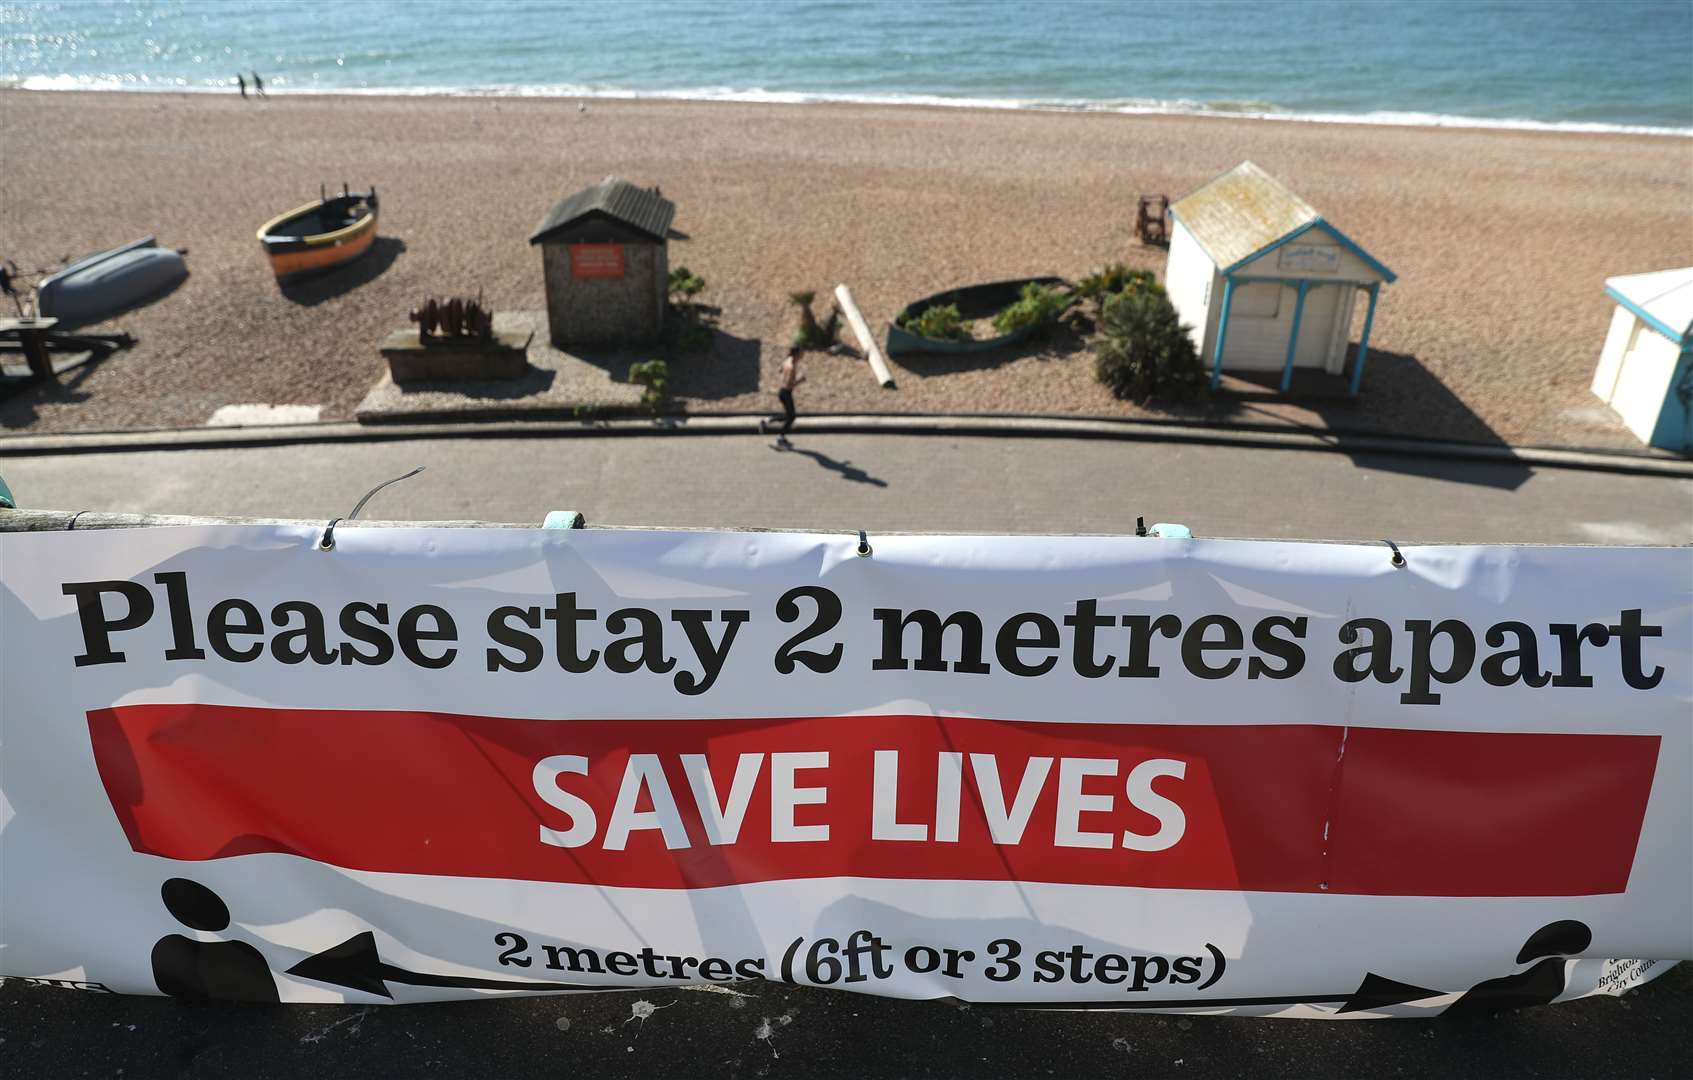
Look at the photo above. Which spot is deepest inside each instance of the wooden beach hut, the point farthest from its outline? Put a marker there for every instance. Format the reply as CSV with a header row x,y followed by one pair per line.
x,y
1645,370
1265,282
605,253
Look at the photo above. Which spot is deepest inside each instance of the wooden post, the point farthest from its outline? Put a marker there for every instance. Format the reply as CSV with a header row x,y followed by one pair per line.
x,y
1222,335
866,340
1293,336
1364,342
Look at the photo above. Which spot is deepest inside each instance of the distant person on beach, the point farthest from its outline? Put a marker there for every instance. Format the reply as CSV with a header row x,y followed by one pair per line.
x,y
789,377
242,83
258,85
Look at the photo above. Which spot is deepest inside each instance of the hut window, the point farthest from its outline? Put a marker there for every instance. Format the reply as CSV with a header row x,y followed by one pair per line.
x,y
1258,300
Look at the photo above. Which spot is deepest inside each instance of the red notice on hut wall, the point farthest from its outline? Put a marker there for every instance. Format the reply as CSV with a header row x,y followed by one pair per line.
x,y
589,261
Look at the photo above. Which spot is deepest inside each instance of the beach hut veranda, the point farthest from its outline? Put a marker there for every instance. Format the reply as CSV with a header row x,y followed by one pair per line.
x,y
1645,370
1265,283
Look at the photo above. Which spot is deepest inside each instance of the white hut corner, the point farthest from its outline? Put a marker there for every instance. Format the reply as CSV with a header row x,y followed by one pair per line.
x,y
1645,371
1265,282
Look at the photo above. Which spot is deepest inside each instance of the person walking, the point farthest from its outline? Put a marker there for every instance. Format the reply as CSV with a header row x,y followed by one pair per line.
x,y
788,378
242,83
258,85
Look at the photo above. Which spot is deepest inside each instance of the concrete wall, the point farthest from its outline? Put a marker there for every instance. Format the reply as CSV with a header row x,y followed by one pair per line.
x,y
1639,371
607,311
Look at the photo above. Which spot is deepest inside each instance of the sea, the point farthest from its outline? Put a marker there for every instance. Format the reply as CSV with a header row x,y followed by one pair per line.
x,y
1610,65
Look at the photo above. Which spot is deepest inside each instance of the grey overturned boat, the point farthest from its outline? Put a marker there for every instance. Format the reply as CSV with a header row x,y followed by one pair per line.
x,y
100,286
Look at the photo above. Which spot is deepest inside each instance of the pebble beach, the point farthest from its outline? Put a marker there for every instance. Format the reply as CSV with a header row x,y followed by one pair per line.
x,y
1501,241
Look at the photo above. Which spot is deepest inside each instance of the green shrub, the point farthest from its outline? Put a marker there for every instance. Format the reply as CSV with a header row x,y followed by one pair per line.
x,y
811,334
653,376
684,286
1101,285
1144,350
939,323
693,333
1039,306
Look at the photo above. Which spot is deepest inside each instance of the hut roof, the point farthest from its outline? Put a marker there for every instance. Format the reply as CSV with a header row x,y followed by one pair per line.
x,y
1663,300
641,209
1246,212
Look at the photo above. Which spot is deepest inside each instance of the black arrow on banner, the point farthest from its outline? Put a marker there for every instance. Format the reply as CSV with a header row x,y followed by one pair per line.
x,y
354,964
1541,984
1375,992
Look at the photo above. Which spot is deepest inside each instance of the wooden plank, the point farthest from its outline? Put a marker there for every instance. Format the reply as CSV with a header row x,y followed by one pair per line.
x,y
866,340
60,520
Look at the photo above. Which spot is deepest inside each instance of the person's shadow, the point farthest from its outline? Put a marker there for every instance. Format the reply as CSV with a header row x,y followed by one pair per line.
x,y
847,469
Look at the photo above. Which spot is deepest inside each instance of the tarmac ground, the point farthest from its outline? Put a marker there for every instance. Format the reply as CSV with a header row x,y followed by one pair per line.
x,y
882,482
781,1031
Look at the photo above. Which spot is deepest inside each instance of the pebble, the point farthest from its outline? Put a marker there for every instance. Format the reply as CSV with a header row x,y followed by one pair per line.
x,y
887,200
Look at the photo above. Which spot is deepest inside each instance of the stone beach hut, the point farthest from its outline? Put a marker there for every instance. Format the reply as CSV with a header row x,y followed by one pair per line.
x,y
605,253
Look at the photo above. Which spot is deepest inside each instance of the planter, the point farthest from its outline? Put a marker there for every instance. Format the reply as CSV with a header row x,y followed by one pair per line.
x,y
974,302
410,360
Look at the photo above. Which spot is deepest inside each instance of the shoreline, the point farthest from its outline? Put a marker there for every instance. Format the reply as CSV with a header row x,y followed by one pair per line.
x,y
1380,118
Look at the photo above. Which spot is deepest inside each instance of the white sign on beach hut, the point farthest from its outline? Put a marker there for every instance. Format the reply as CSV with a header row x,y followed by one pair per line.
x,y
1646,369
1265,282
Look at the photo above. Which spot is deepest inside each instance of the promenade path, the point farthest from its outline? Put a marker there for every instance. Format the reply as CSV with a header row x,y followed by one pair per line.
x,y
883,483
846,482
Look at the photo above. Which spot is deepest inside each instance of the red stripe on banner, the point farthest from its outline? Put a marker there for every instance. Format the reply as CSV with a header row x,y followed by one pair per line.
x,y
1281,808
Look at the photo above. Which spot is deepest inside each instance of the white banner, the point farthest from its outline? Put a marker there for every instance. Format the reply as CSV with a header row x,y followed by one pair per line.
x,y
1112,773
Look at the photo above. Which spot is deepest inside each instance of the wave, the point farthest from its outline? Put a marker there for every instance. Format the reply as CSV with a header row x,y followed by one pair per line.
x,y
1237,110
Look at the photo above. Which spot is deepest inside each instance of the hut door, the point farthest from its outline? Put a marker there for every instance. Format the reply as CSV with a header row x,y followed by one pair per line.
x,y
1316,326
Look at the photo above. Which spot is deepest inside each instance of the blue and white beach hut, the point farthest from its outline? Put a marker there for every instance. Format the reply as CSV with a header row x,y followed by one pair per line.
x,y
1646,368
1266,283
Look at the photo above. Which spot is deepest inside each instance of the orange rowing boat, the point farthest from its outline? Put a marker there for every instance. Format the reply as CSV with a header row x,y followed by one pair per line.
x,y
321,235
